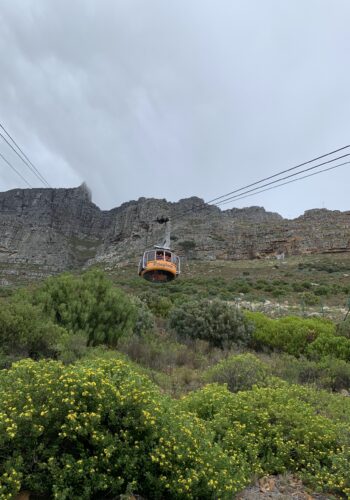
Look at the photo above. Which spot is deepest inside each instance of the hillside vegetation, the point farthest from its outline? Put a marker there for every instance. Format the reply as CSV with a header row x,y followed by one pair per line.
x,y
114,386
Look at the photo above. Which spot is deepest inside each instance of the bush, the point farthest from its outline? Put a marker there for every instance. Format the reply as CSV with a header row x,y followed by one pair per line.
x,y
290,334
159,305
278,431
144,321
310,299
25,332
239,372
214,321
89,304
343,329
329,345
328,373
100,429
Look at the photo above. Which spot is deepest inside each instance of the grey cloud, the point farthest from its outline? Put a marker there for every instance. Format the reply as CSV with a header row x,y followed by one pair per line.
x,y
173,99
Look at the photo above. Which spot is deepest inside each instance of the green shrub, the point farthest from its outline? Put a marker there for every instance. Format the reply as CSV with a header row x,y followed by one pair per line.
x,y
214,321
328,373
343,329
277,431
334,374
240,372
90,304
144,321
278,292
99,429
329,345
159,305
25,332
290,334
310,299
322,290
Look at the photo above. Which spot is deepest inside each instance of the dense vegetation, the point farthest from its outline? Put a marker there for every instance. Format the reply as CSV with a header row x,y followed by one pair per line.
x,y
166,393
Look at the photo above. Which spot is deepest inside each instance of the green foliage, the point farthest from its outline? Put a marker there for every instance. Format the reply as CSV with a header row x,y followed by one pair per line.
x,y
25,332
90,304
278,431
158,304
329,345
310,299
239,372
100,429
328,373
290,334
144,321
214,321
343,328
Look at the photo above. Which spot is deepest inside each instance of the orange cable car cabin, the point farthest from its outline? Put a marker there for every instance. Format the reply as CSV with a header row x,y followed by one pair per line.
x,y
159,265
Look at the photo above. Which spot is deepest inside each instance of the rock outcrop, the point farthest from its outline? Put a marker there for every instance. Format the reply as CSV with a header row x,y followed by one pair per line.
x,y
63,229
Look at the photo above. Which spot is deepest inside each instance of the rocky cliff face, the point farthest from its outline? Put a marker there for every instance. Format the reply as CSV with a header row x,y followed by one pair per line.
x,y
62,229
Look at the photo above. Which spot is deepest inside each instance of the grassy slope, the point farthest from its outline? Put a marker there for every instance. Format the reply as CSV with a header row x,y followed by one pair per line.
x,y
314,284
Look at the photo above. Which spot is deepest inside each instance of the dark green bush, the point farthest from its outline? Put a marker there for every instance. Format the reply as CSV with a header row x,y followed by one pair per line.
x,y
278,292
215,321
343,328
26,332
144,321
322,290
328,373
88,304
310,299
240,372
157,303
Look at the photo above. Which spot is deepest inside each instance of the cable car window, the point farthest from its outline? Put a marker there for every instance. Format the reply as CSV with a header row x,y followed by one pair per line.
x,y
150,255
168,256
160,255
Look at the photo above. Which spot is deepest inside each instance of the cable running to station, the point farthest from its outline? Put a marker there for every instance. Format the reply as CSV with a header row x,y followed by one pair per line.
x,y
224,198
289,182
15,170
233,198
23,158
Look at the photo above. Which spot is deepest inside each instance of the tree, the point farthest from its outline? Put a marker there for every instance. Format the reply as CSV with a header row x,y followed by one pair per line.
x,y
88,303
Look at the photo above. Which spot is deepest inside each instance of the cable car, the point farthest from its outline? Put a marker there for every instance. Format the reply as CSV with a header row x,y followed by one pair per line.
x,y
160,264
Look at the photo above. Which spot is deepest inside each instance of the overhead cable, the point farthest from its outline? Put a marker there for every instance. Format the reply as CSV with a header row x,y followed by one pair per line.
x,y
288,182
15,170
24,158
203,205
232,198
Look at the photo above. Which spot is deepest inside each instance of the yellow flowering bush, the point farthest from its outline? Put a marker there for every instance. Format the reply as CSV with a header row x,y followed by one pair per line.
x,y
278,430
100,428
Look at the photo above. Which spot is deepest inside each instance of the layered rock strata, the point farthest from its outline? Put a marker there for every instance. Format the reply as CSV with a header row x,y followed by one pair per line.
x,y
63,229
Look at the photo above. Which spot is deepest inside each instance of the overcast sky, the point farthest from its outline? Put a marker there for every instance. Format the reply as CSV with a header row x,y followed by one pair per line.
x,y
171,99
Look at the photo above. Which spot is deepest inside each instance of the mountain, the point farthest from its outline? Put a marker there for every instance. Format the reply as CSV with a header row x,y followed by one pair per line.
x,y
63,229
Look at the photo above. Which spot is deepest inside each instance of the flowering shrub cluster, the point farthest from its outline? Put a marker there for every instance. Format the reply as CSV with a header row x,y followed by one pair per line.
x,y
101,428
281,429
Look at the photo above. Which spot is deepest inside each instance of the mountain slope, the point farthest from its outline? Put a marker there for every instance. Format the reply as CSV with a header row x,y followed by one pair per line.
x,y
63,228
